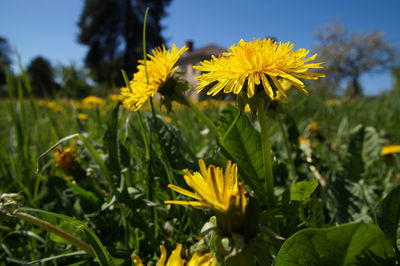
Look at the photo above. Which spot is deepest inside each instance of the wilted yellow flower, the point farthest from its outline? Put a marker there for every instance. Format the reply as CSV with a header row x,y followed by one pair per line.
x,y
65,158
198,259
259,62
304,142
82,116
160,67
313,127
215,190
390,149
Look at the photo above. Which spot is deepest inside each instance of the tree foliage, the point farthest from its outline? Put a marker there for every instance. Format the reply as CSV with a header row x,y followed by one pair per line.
x,y
5,59
74,81
112,30
41,76
348,55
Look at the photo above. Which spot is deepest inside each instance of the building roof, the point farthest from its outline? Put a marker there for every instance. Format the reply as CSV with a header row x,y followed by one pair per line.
x,y
201,53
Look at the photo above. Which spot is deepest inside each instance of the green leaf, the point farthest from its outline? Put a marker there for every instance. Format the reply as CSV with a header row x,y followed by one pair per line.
x,y
349,244
173,146
241,143
99,160
355,162
388,214
100,251
371,147
302,190
110,141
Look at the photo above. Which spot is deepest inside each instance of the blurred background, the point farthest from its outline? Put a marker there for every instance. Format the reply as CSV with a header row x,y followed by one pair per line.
x,y
77,48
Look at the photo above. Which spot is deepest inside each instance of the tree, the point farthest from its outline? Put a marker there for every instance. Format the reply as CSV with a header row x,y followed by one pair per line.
x,y
349,55
41,77
112,29
5,59
74,81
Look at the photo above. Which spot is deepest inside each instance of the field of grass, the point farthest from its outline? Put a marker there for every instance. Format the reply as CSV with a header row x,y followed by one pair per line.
x,y
100,174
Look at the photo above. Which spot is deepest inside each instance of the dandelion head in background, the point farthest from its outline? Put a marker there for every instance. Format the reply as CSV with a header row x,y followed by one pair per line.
x,y
151,76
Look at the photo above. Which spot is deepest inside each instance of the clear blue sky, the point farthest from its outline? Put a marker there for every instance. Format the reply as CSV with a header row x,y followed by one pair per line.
x,y
49,27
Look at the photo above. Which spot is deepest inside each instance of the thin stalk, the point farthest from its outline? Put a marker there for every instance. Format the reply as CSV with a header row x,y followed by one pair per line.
x,y
155,213
203,117
266,151
47,226
292,169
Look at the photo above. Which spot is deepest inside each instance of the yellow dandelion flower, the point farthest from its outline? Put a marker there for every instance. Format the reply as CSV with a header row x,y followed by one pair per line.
x,y
215,189
390,149
91,101
160,66
260,62
82,116
65,158
174,260
168,119
198,259
55,107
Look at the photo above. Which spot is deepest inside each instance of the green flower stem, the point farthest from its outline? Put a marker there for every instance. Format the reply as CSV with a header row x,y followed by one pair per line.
x,y
266,150
47,226
292,169
203,117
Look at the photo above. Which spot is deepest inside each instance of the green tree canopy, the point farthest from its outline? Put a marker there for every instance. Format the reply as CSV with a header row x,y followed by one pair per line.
x,y
5,59
41,76
112,30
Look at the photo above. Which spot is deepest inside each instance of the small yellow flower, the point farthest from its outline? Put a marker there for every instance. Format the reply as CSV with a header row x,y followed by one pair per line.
x,y
65,158
168,119
160,66
91,102
82,116
390,149
215,190
55,107
260,62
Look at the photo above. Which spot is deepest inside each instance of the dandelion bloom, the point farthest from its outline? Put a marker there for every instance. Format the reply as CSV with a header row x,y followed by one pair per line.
x,y
82,116
160,66
198,259
390,149
92,101
260,62
215,189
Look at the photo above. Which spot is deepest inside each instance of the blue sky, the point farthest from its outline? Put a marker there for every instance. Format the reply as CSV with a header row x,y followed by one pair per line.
x,y
49,28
